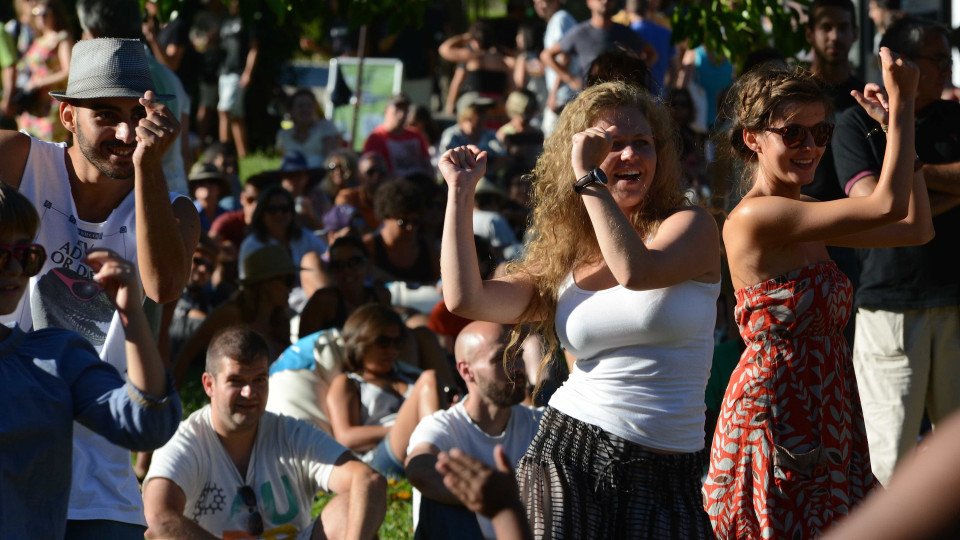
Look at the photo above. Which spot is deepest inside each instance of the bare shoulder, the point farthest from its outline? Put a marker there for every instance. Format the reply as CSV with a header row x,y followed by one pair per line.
x,y
184,210
690,220
339,385
755,211
188,219
15,148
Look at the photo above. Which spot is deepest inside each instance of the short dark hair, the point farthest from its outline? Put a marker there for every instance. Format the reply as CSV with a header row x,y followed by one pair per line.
x,y
892,5
846,5
306,92
219,148
257,225
110,18
396,198
618,64
907,34
482,32
349,241
17,213
362,328
238,343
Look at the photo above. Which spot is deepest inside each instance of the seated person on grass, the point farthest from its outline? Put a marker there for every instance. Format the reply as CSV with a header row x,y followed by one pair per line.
x,y
489,416
377,403
234,470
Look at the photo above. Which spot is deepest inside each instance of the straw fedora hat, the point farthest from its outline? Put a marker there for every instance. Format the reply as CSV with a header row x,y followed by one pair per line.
x,y
203,171
108,68
266,263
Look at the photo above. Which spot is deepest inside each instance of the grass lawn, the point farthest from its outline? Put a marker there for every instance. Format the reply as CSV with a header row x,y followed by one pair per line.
x,y
398,524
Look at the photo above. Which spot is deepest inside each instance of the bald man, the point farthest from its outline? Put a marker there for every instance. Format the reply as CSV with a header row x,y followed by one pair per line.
x,y
489,415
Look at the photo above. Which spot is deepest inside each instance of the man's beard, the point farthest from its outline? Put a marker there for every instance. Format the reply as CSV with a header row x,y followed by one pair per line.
x,y
504,393
102,164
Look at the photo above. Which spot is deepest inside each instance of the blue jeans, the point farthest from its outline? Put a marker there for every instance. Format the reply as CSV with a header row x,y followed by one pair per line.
x,y
98,529
442,521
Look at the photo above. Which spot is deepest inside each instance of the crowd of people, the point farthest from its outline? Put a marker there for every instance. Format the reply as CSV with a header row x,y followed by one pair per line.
x,y
675,302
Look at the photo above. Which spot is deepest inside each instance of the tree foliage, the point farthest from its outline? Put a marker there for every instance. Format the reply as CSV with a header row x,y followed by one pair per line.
x,y
737,27
396,14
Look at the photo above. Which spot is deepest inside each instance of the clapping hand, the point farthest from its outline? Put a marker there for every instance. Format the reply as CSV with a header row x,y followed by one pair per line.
x,y
481,489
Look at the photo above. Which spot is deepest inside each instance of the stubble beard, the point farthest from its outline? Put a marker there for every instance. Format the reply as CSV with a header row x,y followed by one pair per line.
x,y
101,164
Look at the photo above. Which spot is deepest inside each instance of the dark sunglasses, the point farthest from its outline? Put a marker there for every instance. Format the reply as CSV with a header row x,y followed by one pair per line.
x,y
81,290
200,261
794,135
353,263
278,209
30,256
386,341
254,521
373,171
290,281
943,63
333,166
408,222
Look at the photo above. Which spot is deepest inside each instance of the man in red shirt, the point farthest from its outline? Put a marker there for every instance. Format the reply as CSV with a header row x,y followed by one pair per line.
x,y
404,149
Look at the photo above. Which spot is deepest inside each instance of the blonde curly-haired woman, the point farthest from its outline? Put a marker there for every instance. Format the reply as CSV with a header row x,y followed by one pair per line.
x,y
625,276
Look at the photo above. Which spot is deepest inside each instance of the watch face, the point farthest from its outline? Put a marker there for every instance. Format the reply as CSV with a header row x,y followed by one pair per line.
x,y
600,175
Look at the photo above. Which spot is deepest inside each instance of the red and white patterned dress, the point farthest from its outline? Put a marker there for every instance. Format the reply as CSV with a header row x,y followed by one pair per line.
x,y
789,454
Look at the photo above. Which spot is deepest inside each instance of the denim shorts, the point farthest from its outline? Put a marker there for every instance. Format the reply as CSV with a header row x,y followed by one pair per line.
x,y
382,460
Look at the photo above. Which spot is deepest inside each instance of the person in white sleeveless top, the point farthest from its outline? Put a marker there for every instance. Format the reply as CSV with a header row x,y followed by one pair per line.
x,y
105,191
625,276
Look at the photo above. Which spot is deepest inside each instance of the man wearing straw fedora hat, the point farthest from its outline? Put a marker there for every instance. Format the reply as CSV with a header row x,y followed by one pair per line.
x,y
105,191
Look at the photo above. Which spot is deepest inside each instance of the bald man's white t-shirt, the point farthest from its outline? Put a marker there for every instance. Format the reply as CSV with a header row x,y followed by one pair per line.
x,y
453,428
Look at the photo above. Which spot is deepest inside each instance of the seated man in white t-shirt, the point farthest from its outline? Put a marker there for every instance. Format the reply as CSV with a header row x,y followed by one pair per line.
x,y
489,415
234,470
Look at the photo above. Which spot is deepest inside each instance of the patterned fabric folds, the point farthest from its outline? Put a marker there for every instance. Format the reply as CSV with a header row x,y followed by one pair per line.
x,y
789,454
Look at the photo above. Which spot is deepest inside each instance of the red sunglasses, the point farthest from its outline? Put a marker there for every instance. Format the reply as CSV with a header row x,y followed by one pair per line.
x,y
794,135
30,256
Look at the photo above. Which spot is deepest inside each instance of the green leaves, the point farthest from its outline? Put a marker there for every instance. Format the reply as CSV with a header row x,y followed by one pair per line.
x,y
735,28
396,13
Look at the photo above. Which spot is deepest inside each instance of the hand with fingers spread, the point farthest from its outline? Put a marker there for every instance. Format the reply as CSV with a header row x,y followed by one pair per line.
x,y
874,100
481,489
155,132
900,77
118,277
590,147
462,167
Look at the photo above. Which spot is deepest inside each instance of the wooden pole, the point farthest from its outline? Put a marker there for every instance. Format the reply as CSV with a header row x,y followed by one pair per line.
x,y
358,87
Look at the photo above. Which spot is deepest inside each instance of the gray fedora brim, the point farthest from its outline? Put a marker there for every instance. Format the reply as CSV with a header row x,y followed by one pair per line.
x,y
107,93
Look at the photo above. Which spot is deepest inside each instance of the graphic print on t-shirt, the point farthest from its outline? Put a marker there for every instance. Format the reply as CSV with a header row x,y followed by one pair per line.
x,y
66,295
214,500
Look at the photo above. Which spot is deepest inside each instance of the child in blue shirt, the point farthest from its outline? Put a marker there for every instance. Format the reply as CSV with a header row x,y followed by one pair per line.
x,y
51,377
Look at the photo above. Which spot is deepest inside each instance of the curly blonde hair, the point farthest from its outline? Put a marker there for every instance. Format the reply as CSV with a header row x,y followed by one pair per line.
x,y
561,235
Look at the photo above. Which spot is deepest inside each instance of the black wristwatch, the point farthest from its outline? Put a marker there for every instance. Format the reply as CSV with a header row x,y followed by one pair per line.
x,y
596,175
